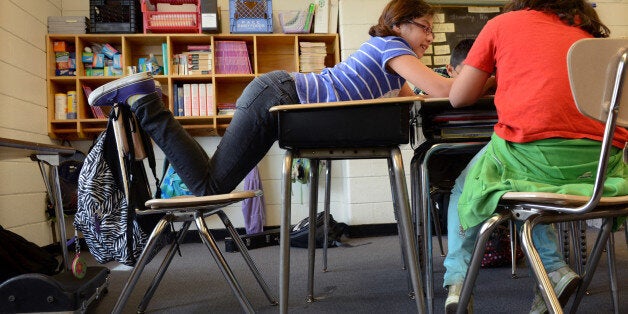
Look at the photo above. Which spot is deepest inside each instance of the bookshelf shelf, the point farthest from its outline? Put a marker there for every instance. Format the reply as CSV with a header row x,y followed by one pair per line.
x,y
267,52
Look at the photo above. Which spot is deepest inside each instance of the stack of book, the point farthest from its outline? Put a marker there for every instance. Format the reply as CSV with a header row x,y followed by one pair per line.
x,y
97,111
197,60
193,99
226,108
232,57
312,56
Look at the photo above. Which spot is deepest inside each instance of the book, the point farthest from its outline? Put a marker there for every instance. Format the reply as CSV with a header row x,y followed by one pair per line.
x,y
175,100
312,56
226,108
97,112
180,101
202,100
211,108
187,100
164,54
310,16
195,99
232,57
321,17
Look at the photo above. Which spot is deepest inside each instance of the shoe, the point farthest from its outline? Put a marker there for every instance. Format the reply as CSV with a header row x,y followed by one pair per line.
x,y
453,296
119,91
565,282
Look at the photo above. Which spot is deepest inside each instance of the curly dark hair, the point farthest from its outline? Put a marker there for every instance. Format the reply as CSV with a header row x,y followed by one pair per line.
x,y
397,12
578,13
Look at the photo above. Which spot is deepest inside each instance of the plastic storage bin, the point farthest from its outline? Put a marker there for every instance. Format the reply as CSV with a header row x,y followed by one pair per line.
x,y
251,16
115,16
175,16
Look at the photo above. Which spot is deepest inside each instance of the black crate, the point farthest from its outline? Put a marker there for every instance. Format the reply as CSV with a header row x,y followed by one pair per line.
x,y
115,16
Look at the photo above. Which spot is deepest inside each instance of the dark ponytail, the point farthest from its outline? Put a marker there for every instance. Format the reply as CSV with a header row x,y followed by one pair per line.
x,y
577,13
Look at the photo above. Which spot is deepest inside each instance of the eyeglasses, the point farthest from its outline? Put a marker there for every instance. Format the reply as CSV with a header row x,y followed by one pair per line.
x,y
426,29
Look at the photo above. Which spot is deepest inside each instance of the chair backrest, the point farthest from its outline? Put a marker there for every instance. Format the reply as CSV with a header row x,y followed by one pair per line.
x,y
132,150
596,73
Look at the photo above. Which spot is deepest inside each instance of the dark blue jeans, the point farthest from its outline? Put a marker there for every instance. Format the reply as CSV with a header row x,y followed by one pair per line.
x,y
250,135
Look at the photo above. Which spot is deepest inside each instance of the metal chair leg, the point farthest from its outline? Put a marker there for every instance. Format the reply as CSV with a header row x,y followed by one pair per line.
x,y
211,244
598,247
543,282
612,271
626,231
141,264
162,268
426,235
439,234
247,258
512,228
476,260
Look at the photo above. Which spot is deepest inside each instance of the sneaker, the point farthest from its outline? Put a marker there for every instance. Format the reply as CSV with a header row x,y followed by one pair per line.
x,y
119,91
451,304
565,282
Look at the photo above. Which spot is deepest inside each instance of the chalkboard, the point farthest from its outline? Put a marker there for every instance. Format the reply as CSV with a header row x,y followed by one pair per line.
x,y
453,24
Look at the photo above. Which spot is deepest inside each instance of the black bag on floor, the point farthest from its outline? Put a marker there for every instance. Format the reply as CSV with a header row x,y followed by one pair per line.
x,y
299,233
20,256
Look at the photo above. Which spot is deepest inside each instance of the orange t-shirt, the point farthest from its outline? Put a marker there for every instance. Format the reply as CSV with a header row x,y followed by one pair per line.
x,y
528,52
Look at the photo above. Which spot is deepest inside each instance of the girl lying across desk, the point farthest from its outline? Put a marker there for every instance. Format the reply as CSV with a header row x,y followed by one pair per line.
x,y
380,68
540,134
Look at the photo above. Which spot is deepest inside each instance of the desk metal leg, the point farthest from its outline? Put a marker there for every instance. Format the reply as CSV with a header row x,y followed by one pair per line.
x,y
326,209
284,235
401,191
54,191
391,176
311,237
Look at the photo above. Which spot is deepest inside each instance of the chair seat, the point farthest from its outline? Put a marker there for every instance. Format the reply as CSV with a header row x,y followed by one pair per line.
x,y
200,201
560,199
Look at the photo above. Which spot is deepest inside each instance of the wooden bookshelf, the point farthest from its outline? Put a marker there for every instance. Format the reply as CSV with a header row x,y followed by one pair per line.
x,y
267,52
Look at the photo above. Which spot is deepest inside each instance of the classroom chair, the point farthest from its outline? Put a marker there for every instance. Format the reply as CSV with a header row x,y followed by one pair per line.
x,y
597,74
184,210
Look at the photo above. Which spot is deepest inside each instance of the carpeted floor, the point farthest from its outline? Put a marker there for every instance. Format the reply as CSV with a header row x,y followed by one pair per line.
x,y
364,276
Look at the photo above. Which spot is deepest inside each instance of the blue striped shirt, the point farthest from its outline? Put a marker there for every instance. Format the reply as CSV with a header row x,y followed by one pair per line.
x,y
362,76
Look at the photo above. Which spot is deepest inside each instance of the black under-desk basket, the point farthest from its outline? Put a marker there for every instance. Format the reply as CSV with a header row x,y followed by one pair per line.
x,y
360,124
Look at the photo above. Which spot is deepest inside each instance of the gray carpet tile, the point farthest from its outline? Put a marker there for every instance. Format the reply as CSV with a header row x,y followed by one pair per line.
x,y
364,276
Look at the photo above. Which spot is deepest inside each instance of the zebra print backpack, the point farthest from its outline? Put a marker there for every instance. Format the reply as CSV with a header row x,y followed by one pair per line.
x,y
108,223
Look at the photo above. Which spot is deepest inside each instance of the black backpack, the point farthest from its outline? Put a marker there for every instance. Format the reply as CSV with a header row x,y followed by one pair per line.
x,y
20,256
299,233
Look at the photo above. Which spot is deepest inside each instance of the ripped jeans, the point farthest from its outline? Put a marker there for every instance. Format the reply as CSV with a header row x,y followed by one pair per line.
x,y
250,135
461,243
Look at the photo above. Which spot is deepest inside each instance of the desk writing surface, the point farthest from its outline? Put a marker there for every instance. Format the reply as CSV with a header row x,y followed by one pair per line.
x,y
390,100
11,148
440,121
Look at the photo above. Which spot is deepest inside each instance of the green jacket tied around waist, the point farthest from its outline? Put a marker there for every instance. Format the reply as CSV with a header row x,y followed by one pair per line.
x,y
565,166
